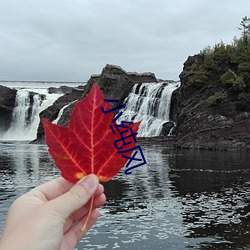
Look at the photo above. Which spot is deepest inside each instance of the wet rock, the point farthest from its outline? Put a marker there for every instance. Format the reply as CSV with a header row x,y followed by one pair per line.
x,y
166,128
64,89
115,83
52,112
7,105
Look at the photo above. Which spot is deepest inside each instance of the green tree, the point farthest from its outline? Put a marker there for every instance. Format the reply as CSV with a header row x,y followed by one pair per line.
x,y
245,28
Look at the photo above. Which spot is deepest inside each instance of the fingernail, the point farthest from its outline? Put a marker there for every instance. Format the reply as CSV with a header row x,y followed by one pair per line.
x,y
89,182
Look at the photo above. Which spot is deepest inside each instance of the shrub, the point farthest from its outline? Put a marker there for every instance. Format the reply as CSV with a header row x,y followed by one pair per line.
x,y
197,75
227,78
239,84
242,96
236,82
216,98
206,51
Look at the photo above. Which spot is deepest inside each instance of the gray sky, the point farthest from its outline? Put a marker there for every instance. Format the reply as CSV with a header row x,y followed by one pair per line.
x,y
68,40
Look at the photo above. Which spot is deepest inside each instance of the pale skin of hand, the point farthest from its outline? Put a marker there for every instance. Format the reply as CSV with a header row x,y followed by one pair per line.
x,y
50,216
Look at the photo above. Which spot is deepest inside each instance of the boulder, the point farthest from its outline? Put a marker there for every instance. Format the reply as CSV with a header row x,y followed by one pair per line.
x,y
116,83
52,112
166,128
7,104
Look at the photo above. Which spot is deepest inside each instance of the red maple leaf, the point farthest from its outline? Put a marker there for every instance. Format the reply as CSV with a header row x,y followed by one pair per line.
x,y
87,144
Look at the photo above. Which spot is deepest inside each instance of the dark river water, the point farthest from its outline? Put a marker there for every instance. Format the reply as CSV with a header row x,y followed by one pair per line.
x,y
179,200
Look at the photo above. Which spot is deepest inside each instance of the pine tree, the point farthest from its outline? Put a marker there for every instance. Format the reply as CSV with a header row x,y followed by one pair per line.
x,y
245,28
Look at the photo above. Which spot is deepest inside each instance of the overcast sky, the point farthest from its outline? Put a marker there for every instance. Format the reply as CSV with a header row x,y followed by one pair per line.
x,y
68,40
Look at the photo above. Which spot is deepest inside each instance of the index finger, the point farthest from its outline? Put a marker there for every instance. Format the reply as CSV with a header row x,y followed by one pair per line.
x,y
54,188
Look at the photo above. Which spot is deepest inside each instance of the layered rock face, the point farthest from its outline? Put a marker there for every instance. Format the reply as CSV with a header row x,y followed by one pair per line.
x,y
225,125
115,84
51,113
7,104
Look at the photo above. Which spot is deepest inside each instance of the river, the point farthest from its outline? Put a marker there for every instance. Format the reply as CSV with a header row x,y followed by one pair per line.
x,y
179,200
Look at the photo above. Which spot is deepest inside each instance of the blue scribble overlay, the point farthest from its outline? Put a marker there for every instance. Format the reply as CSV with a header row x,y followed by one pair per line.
x,y
126,134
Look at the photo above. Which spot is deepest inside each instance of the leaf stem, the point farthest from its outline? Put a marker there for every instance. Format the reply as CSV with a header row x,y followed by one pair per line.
x,y
89,213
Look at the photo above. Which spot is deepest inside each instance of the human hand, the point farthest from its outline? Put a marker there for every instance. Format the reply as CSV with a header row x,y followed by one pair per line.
x,y
50,216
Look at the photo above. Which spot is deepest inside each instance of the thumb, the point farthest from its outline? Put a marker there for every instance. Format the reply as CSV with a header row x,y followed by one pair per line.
x,y
76,197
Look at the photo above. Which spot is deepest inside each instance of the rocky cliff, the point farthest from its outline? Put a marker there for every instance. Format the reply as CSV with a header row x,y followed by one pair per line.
x,y
115,84
7,104
210,114
51,113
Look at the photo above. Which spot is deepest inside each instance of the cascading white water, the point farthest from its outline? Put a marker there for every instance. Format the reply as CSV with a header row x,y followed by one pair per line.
x,y
25,117
20,112
149,103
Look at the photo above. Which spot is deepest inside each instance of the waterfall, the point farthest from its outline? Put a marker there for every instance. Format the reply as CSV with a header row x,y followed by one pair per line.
x,y
149,103
25,117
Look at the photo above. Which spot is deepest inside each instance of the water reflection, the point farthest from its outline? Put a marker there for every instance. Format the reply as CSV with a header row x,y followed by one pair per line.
x,y
142,210
179,200
214,187
22,167
26,164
